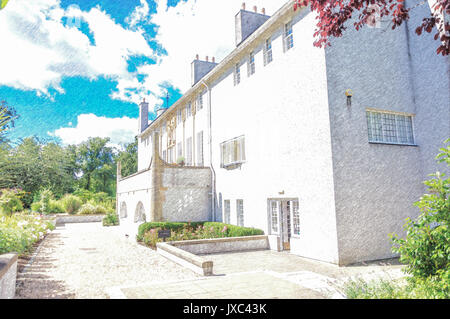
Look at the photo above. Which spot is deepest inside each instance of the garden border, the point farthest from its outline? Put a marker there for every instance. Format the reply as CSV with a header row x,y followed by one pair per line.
x,y
184,252
8,275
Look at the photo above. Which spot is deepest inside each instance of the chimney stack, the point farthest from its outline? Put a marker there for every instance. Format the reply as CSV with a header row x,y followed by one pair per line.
x,y
213,60
246,22
196,57
207,59
200,68
243,6
143,116
263,11
255,8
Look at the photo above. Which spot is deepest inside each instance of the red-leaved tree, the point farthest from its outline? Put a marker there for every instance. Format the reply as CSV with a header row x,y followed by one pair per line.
x,y
332,15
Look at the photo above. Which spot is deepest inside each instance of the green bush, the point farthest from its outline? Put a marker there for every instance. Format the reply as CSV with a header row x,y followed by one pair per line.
x,y
10,202
111,219
426,248
148,232
71,203
90,209
20,231
56,207
45,197
36,206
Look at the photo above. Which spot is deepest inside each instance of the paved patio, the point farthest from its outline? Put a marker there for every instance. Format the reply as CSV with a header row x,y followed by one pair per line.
x,y
91,261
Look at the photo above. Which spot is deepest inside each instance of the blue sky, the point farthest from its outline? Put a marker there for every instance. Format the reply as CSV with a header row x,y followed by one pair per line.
x,y
78,68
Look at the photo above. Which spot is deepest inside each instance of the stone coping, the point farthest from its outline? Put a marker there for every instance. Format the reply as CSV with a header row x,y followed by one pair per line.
x,y
194,262
216,240
6,261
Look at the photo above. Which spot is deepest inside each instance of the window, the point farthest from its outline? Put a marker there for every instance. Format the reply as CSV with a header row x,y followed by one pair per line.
x,y
389,127
188,110
164,156
295,217
251,64
171,152
200,148
179,116
237,75
179,150
163,128
200,101
240,212
268,51
188,158
288,39
233,152
226,211
274,216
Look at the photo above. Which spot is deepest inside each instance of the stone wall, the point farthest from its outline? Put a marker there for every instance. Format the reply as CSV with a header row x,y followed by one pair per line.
x,y
221,245
79,219
8,274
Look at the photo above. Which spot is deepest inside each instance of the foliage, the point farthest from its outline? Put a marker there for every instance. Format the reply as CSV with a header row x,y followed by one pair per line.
x,y
90,209
333,15
148,232
36,206
426,248
181,161
9,201
8,116
111,219
410,288
55,207
71,203
46,196
20,231
128,158
3,3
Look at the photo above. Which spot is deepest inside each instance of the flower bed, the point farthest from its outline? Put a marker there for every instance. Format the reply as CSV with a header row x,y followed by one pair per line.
x,y
148,232
20,231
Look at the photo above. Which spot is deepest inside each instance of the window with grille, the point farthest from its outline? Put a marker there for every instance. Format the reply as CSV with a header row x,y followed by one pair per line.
x,y
179,117
179,150
199,143
392,128
233,152
199,101
226,211
288,38
188,158
237,75
188,110
295,218
240,212
274,216
268,51
251,64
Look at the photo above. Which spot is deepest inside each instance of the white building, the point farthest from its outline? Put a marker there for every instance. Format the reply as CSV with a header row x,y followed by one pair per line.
x,y
271,140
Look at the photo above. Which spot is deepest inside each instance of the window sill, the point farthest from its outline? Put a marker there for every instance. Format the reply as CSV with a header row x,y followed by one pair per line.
x,y
232,165
392,143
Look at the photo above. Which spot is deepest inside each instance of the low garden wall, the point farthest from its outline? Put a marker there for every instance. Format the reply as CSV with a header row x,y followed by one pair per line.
x,y
185,252
66,219
8,274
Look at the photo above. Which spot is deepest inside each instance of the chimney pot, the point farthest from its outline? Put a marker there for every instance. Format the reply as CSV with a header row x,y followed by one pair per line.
x,y
213,59
196,57
263,11
255,9
243,6
206,58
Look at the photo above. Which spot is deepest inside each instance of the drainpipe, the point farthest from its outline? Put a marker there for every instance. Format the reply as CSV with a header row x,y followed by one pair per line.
x,y
213,173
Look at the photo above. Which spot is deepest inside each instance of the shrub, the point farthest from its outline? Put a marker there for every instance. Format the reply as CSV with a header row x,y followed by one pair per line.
x,y
20,231
55,207
174,226
90,209
10,202
36,207
45,197
111,219
426,248
71,203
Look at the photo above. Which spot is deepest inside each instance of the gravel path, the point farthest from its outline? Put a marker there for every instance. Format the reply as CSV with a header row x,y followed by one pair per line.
x,y
82,260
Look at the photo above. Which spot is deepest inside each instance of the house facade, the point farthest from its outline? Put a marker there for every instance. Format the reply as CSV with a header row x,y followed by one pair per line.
x,y
325,149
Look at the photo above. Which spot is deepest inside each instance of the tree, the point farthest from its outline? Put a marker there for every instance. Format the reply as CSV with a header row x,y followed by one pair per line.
x,y
96,161
3,3
8,115
128,158
333,14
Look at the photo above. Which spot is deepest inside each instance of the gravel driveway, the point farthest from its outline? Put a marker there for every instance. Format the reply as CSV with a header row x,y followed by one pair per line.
x,y
82,260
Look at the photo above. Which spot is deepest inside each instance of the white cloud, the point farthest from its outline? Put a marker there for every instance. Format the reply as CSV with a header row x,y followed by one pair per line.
x,y
204,27
119,130
40,50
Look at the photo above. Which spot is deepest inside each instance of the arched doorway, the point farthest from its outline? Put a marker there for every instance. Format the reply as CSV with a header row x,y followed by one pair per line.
x,y
139,214
123,210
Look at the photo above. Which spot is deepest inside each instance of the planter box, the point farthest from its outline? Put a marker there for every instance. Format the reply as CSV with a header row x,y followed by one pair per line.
x,y
8,274
185,252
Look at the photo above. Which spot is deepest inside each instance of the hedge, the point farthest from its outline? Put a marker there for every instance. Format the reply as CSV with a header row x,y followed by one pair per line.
x,y
231,230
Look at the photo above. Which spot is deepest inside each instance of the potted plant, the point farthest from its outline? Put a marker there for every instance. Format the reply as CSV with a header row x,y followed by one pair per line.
x,y
180,161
